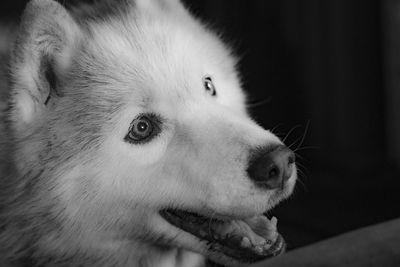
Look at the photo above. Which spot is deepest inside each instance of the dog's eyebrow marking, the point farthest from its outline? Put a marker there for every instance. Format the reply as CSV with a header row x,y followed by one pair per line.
x,y
146,101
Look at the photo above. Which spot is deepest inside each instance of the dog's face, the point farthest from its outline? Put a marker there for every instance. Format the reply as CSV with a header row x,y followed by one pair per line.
x,y
144,120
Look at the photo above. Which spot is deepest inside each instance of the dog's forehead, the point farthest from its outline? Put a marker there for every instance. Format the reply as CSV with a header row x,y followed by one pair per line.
x,y
146,56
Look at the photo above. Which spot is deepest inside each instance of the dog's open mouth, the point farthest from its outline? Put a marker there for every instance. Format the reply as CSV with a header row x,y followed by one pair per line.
x,y
246,240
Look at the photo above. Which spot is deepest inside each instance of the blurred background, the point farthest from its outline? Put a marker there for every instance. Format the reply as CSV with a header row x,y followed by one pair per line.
x,y
325,76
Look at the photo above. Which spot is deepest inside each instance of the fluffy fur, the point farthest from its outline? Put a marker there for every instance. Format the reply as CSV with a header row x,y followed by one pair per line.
x,y
76,193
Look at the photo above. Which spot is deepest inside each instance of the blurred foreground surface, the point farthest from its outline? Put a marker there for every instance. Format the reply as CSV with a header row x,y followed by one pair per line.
x,y
373,246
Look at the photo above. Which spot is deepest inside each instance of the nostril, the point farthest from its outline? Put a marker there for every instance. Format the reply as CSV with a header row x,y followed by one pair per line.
x,y
273,172
291,158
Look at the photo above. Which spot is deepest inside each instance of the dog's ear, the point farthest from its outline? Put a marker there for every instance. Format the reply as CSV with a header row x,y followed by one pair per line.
x,y
45,42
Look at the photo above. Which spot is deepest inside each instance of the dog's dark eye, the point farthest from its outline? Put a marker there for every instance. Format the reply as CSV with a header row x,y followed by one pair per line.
x,y
142,129
209,86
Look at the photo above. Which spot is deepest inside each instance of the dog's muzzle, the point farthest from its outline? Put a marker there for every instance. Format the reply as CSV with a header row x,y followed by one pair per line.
x,y
272,166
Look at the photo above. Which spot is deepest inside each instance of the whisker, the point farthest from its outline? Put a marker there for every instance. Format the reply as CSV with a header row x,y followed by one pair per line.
x,y
294,143
280,134
299,156
303,185
259,103
307,147
304,135
276,127
301,167
291,131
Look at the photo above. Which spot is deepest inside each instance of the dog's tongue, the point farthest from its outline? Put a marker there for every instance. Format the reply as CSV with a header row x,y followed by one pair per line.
x,y
257,234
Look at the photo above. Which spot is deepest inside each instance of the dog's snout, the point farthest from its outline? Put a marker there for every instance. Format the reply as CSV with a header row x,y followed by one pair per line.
x,y
271,166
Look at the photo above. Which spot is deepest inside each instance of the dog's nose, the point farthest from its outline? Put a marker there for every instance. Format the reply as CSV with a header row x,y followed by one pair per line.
x,y
272,166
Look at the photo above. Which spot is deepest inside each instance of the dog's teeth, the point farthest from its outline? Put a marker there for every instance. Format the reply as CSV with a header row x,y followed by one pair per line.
x,y
245,242
268,244
257,233
259,249
257,240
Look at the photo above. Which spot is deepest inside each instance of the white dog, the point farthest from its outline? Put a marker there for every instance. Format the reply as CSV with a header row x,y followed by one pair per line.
x,y
128,144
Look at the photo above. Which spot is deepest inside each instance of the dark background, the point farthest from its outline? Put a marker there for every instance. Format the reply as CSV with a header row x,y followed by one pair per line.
x,y
324,74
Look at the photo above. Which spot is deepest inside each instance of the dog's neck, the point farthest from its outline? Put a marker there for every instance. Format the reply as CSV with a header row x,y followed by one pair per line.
x,y
170,258
97,254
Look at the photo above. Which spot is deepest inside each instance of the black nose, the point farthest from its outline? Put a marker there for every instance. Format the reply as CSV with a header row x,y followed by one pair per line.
x,y
271,166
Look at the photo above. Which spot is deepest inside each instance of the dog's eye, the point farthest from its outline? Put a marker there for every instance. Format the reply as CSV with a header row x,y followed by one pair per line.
x,y
209,86
142,129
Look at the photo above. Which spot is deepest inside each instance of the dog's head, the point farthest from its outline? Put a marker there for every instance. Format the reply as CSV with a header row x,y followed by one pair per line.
x,y
137,121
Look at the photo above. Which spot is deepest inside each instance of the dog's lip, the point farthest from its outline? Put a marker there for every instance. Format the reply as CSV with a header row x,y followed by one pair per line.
x,y
244,241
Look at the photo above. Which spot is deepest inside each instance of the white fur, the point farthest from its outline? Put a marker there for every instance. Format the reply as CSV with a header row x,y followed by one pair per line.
x,y
103,194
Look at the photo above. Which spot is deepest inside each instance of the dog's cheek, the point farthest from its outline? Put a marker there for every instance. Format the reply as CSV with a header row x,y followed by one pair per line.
x,y
126,170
